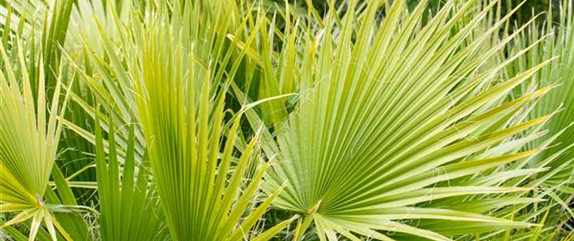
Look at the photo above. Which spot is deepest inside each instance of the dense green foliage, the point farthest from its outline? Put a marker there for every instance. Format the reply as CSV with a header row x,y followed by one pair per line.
x,y
268,120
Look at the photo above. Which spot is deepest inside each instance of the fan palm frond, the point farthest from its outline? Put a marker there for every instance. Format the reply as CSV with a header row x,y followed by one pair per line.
x,y
29,137
390,116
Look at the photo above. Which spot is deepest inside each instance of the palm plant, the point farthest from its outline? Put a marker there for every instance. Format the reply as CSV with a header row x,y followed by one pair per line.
x,y
29,145
227,120
391,121
182,120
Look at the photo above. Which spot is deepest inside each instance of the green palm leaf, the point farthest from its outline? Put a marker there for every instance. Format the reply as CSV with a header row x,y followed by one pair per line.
x,y
29,142
182,118
390,112
130,209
